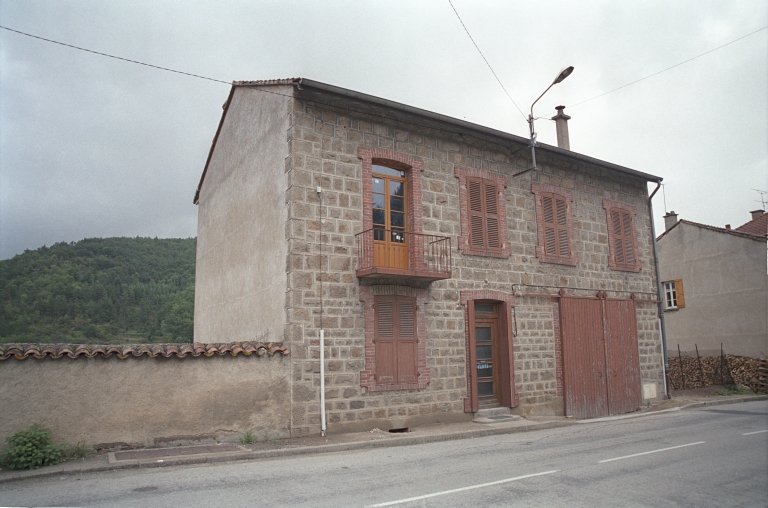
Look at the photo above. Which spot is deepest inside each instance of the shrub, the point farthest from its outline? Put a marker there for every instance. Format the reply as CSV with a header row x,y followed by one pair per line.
x,y
31,449
248,438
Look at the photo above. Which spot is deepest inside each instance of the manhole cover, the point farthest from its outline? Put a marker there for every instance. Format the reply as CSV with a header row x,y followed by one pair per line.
x,y
156,453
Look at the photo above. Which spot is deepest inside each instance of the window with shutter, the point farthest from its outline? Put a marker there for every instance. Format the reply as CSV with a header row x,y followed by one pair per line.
x,y
395,340
622,238
483,213
555,230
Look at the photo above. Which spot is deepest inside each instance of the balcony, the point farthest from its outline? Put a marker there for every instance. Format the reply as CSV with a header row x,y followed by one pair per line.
x,y
387,256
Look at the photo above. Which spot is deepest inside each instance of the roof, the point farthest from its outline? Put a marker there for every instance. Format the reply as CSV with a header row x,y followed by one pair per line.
x,y
711,228
756,227
302,84
40,351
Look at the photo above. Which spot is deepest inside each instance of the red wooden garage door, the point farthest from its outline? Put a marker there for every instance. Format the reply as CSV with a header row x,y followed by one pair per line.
x,y
601,364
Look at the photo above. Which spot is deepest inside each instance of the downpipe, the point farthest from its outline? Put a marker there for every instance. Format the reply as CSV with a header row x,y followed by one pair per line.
x,y
659,296
322,382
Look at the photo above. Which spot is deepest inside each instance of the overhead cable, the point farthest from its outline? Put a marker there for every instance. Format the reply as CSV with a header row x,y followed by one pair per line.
x,y
113,56
669,68
486,61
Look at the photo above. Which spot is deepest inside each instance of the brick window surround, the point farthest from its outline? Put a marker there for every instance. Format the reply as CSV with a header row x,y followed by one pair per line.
x,y
368,376
507,301
543,253
631,261
412,166
465,244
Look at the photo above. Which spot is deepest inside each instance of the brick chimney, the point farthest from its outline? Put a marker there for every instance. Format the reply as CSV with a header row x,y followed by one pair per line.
x,y
670,220
561,124
757,213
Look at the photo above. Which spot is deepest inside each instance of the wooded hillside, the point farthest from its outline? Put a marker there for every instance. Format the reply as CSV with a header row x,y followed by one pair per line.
x,y
100,291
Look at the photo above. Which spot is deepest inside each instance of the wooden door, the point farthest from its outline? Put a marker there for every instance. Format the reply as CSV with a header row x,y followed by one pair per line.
x,y
622,357
390,218
583,357
487,357
601,361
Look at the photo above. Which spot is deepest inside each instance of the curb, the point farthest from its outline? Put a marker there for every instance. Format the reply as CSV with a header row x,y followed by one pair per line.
x,y
213,458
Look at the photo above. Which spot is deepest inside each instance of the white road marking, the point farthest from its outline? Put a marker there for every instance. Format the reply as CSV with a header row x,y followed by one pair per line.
x,y
471,487
652,451
755,432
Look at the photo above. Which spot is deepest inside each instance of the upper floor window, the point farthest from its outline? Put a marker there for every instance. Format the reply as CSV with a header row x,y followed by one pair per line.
x,y
622,236
554,225
674,298
483,213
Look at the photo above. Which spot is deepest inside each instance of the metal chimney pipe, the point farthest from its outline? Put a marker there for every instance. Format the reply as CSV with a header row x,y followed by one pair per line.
x,y
561,124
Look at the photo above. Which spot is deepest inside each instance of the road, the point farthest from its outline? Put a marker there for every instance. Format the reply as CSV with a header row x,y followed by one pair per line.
x,y
715,456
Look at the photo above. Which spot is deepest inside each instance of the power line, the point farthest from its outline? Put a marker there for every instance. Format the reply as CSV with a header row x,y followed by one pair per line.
x,y
486,60
668,68
113,56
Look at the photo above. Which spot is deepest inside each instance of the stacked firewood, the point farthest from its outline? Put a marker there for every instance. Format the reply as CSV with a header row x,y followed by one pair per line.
x,y
688,372
746,372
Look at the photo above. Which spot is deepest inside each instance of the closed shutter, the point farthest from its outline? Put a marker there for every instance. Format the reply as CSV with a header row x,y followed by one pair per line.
x,y
395,340
555,222
484,231
680,293
622,238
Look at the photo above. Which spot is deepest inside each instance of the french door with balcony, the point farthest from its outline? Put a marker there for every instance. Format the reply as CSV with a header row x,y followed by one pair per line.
x,y
390,217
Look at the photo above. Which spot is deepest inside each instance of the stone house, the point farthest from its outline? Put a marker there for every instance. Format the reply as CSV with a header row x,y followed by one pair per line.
x,y
445,278
715,283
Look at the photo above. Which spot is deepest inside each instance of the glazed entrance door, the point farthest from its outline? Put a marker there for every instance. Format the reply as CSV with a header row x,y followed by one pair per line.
x,y
390,200
487,355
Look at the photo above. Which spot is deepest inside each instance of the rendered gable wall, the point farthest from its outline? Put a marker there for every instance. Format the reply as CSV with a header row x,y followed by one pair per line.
x,y
726,291
241,251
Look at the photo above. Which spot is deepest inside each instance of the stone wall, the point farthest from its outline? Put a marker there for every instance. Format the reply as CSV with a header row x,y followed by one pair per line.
x,y
322,259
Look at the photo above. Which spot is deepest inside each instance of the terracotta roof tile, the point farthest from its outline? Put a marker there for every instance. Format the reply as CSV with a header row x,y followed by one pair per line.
x,y
39,351
755,227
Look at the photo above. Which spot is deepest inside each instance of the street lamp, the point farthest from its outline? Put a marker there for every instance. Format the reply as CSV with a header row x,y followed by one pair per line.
x,y
560,77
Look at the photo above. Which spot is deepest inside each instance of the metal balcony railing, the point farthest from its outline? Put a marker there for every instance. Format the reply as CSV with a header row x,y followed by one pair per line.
x,y
395,251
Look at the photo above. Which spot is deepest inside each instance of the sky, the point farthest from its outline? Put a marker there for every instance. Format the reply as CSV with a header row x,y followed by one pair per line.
x,y
97,147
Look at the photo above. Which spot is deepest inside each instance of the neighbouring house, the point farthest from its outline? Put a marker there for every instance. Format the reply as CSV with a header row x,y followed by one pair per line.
x,y
715,285
445,277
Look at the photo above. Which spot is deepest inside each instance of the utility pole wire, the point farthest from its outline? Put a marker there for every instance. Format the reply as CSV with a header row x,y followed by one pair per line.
x,y
113,56
486,61
668,68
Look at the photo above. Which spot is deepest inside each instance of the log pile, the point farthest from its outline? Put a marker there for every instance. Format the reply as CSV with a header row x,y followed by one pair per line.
x,y
688,372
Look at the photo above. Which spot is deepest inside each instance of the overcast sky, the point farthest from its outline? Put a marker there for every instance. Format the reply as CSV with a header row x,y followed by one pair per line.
x,y
96,147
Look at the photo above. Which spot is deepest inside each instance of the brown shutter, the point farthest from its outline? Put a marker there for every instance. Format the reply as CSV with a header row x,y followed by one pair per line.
x,y
562,227
680,293
406,341
476,214
548,206
492,215
629,249
384,338
618,240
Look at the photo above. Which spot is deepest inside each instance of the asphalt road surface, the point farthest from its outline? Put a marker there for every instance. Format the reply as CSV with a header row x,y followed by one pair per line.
x,y
715,456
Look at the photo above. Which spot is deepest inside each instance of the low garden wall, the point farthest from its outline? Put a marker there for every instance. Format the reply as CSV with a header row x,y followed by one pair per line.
x,y
155,395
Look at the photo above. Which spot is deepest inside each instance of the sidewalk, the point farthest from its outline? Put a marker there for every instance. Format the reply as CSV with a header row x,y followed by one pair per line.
x,y
375,438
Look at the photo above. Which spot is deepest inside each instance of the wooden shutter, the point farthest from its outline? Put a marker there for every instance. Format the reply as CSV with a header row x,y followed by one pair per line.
x,y
384,338
395,340
680,294
406,341
555,222
476,214
623,240
484,205
491,216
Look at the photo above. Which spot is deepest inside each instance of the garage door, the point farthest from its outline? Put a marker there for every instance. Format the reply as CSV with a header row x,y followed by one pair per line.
x,y
601,363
